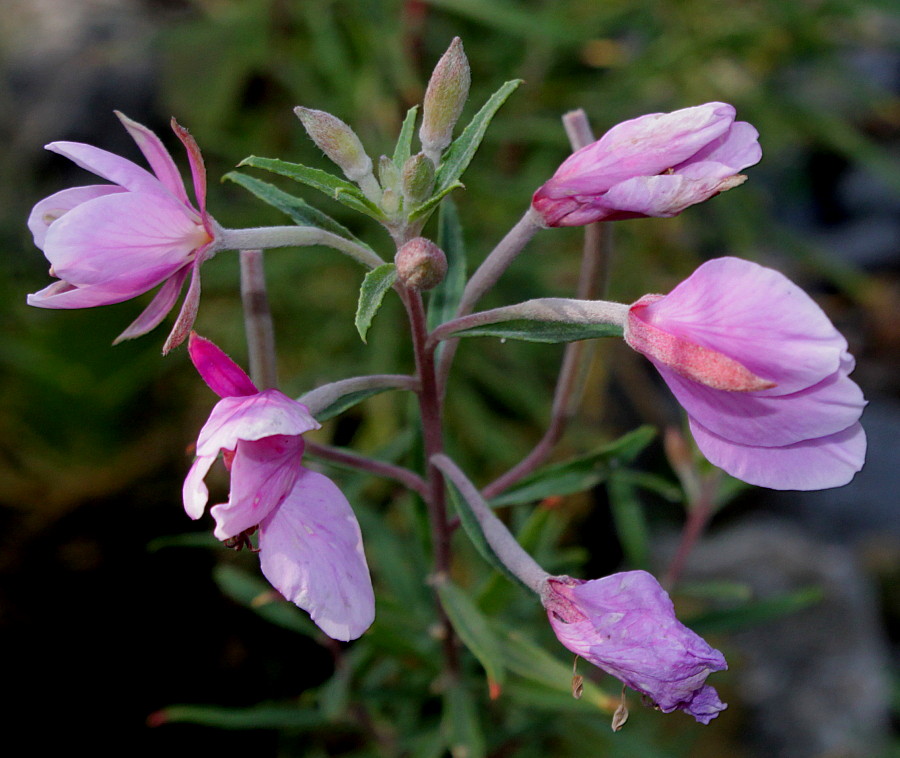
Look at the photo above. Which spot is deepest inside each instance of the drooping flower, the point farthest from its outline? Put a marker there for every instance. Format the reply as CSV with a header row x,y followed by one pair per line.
x,y
310,546
625,624
761,371
108,243
654,165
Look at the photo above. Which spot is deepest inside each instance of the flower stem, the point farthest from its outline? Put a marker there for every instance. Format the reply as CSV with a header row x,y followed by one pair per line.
x,y
266,237
258,320
361,463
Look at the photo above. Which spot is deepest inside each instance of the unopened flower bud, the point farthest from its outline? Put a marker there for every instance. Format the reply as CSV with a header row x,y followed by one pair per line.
x,y
390,201
421,264
445,96
337,140
417,178
388,174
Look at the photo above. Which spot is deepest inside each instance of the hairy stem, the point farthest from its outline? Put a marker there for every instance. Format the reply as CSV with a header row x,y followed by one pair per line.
x,y
320,398
361,463
265,237
258,320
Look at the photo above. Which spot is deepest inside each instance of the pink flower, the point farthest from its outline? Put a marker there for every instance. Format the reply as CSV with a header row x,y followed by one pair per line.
x,y
310,545
625,624
655,165
111,242
761,372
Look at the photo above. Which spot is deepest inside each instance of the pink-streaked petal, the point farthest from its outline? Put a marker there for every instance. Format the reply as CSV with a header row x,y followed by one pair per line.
x,y
198,168
159,307
755,315
222,374
262,473
157,156
643,146
133,239
814,464
188,313
53,207
311,551
662,196
63,295
265,414
194,492
770,421
112,167
737,149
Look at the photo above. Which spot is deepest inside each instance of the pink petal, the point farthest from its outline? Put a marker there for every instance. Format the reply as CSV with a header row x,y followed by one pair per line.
x,y
62,294
251,418
198,169
661,196
135,240
770,421
159,307
194,492
737,149
757,316
813,464
188,313
262,473
311,551
222,374
157,156
51,208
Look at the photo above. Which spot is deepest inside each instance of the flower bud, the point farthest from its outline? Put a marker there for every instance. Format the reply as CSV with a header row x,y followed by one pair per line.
x,y
388,175
417,178
421,264
445,96
390,201
337,140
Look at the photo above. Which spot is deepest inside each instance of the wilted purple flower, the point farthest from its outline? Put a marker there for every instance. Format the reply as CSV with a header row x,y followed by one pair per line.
x,y
111,242
655,165
761,372
310,546
625,624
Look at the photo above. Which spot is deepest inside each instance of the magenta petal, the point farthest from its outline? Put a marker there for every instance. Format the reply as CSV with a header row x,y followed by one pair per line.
x,y
63,295
53,207
813,464
159,307
262,473
222,374
194,492
251,418
130,239
157,156
311,551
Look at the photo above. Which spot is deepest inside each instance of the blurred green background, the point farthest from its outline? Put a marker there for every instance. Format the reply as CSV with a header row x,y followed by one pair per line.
x,y
94,440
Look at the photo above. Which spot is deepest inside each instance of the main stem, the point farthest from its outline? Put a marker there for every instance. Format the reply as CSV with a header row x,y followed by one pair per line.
x,y
258,320
430,411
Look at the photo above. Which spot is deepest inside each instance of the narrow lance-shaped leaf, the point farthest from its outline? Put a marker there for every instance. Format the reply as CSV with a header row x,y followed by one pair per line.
x,y
255,717
541,331
403,149
377,282
297,209
332,186
473,630
426,208
460,725
628,516
462,150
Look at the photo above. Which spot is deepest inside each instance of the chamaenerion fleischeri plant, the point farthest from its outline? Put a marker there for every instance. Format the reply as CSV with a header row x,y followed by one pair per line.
x,y
759,368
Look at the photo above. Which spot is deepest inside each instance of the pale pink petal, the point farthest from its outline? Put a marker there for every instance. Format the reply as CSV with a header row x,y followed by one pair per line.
x,y
188,313
755,315
737,149
194,492
133,239
814,464
159,307
157,156
660,196
311,551
262,473
51,208
251,418
222,374
771,421
62,294
111,167
198,168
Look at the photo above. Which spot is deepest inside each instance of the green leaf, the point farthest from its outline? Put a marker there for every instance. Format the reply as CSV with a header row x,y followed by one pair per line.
x,y
329,184
255,717
404,142
758,612
540,331
257,595
460,725
349,400
444,299
460,153
430,204
473,630
473,529
377,282
299,211
628,516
